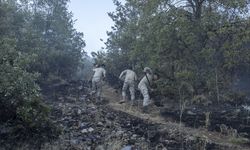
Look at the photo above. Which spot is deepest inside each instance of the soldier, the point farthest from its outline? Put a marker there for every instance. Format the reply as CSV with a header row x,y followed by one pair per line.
x,y
97,80
129,77
145,83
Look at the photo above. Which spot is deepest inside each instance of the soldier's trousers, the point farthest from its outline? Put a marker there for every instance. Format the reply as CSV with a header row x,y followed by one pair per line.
x,y
131,86
97,87
145,94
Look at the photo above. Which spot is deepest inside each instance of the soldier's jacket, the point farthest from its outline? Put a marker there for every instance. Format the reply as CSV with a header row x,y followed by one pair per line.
x,y
99,73
146,81
128,76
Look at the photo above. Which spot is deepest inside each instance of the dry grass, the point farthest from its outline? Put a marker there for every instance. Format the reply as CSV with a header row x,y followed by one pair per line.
x,y
154,117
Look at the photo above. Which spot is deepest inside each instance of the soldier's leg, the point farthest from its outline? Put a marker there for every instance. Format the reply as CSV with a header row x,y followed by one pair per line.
x,y
93,87
99,90
146,98
124,89
132,91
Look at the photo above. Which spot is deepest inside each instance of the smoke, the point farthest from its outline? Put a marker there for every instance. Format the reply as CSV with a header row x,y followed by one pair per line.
x,y
84,72
242,84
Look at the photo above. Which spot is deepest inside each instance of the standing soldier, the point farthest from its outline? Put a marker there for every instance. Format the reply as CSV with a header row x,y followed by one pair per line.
x,y
144,85
129,77
97,80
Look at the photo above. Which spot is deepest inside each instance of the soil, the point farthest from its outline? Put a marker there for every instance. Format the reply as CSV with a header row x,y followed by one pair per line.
x,y
172,123
89,124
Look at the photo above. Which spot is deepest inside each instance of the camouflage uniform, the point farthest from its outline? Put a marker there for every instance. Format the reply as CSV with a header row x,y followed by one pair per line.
x,y
97,81
144,85
129,78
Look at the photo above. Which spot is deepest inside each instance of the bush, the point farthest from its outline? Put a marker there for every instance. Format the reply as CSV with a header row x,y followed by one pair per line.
x,y
20,97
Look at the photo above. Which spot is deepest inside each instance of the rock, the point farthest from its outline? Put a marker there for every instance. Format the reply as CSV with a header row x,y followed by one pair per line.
x,y
69,98
82,98
134,136
84,131
83,125
79,111
190,138
60,104
74,141
90,129
127,148
119,133
99,124
61,98
190,113
246,107
100,147
108,123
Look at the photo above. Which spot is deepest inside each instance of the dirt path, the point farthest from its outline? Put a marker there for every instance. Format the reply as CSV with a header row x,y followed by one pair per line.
x,y
113,96
228,142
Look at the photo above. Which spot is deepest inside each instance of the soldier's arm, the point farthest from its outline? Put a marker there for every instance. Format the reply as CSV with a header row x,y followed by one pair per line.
x,y
104,73
136,78
122,74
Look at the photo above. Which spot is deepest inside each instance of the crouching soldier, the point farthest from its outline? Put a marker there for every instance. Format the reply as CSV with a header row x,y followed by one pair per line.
x,y
129,77
97,80
145,85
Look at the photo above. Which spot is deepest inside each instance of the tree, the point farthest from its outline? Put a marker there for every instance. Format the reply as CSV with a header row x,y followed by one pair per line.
x,y
196,42
20,96
37,41
48,32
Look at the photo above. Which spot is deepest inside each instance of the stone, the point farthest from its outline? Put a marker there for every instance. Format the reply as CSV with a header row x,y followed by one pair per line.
x,y
79,111
100,124
127,148
90,129
100,147
119,133
84,131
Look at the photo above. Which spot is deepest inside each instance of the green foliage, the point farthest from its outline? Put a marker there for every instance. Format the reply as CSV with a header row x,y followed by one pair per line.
x,y
99,57
48,32
202,43
19,93
37,41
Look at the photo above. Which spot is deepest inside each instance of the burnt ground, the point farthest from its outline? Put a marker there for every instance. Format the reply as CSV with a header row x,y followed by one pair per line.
x,y
87,124
167,124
